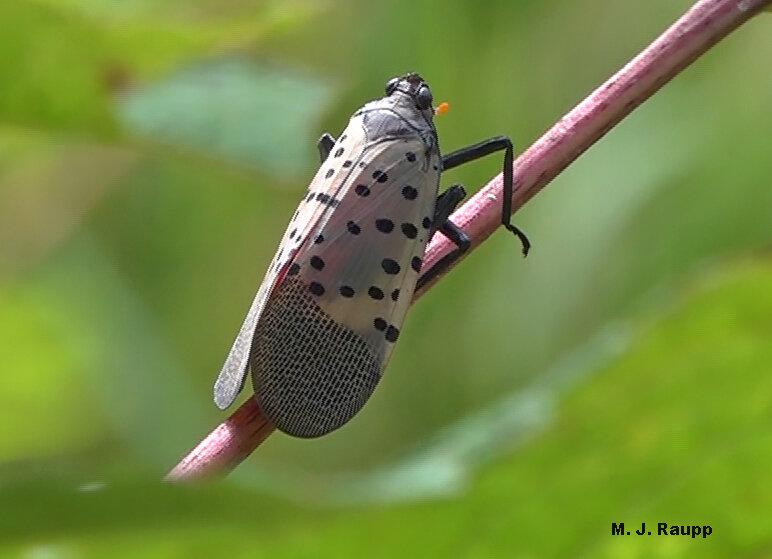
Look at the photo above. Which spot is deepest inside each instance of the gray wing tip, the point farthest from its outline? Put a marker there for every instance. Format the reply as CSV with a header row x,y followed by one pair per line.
x,y
222,401
233,374
224,393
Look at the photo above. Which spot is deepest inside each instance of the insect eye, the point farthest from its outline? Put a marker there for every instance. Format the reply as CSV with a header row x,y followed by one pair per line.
x,y
424,98
391,85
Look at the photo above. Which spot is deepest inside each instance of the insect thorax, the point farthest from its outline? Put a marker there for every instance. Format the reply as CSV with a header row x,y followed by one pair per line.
x,y
392,118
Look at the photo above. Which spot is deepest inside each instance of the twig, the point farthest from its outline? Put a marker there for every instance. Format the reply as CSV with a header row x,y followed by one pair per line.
x,y
706,23
224,448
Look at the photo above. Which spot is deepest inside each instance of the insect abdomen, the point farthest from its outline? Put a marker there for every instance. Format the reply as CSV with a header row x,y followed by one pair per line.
x,y
310,373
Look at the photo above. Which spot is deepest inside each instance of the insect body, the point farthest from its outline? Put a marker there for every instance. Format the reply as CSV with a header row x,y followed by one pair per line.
x,y
325,319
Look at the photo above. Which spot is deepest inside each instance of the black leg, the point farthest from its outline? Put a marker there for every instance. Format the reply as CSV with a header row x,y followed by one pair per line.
x,y
325,143
446,204
482,149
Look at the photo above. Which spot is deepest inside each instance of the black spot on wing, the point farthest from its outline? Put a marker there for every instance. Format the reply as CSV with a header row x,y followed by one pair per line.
x,y
316,288
384,225
390,266
409,192
317,263
380,176
415,263
375,292
392,334
327,200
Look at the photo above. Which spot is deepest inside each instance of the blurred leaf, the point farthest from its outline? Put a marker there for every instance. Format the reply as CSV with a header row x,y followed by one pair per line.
x,y
48,383
139,387
256,114
63,59
647,438
50,70
34,216
93,354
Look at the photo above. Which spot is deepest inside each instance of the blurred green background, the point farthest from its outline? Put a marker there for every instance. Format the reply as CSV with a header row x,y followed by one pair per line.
x,y
151,154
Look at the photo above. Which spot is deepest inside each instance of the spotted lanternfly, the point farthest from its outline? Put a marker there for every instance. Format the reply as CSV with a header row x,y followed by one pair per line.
x,y
325,319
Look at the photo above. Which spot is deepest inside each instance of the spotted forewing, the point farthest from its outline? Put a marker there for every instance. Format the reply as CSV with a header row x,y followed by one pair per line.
x,y
325,319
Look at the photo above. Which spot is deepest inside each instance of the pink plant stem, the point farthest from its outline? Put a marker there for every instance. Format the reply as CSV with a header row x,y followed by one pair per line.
x,y
224,448
706,23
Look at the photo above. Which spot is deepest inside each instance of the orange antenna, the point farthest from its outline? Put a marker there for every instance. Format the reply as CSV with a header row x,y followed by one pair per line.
x,y
442,108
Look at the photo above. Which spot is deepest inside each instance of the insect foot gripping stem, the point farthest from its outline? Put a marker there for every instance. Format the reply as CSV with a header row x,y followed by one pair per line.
x,y
479,150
